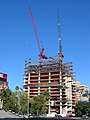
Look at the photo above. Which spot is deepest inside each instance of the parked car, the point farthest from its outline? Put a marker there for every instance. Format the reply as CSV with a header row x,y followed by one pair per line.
x,y
58,115
85,117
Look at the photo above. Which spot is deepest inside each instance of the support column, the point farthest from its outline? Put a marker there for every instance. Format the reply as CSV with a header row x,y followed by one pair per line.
x,y
28,112
49,94
60,93
39,84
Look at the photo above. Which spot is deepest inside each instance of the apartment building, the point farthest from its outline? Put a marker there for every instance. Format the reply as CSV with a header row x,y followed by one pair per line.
x,y
3,85
82,92
3,81
54,77
84,95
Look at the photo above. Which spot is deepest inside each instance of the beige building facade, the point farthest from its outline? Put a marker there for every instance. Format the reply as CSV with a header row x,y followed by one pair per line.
x,y
82,92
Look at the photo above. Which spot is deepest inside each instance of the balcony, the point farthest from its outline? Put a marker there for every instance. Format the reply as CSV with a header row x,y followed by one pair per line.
x,y
25,83
55,79
33,80
42,89
33,89
33,85
44,75
43,83
44,79
73,105
64,95
57,92
55,95
73,93
55,74
74,98
54,88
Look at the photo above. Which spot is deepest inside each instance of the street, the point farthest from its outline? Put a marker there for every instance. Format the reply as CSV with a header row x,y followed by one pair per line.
x,y
7,115
11,116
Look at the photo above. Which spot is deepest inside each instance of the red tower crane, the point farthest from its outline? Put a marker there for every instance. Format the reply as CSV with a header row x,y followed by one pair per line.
x,y
41,55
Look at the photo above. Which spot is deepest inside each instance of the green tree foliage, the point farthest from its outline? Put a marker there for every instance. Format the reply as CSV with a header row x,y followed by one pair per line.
x,y
22,101
16,101
6,97
82,108
1,83
16,88
39,104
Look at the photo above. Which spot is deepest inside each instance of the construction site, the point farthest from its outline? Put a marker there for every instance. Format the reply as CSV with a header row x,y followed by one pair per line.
x,y
51,74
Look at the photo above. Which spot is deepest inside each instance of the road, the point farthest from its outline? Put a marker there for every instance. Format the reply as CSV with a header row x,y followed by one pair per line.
x,y
10,116
7,115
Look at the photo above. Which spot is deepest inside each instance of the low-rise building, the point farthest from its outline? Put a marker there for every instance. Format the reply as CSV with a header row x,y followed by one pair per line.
x,y
3,81
82,92
3,85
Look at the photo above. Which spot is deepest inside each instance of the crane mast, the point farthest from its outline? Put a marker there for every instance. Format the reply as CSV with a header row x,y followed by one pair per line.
x,y
59,37
41,51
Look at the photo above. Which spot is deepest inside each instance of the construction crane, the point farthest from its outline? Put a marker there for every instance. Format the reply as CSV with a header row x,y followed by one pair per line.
x,y
41,55
59,37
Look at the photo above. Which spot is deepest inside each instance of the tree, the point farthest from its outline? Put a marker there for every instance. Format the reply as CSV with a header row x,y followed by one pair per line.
x,y
1,83
22,101
16,88
39,104
5,96
16,101
82,108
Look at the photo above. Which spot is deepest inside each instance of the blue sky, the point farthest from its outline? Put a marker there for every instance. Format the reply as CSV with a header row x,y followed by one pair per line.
x,y
18,41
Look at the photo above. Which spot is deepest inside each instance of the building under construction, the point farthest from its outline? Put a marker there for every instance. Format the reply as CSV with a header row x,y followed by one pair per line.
x,y
55,77
52,75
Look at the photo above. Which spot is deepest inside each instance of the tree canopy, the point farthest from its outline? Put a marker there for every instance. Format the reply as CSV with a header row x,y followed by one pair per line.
x,y
15,101
82,108
39,104
6,97
18,101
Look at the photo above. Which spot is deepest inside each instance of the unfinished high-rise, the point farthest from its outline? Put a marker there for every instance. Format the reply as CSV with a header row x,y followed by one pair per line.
x,y
54,76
